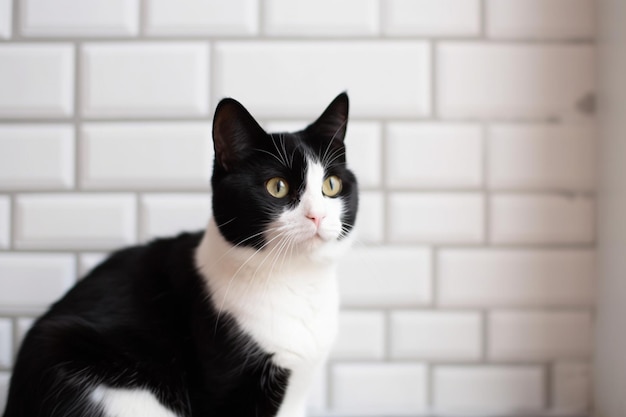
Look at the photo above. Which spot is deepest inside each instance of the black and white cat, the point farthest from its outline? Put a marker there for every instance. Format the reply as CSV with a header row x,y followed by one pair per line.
x,y
234,321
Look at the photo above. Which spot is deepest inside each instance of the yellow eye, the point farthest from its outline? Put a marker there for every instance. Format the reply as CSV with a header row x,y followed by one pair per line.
x,y
277,187
331,186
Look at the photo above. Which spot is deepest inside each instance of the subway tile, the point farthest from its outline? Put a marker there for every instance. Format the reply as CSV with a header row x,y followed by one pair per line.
x,y
370,222
165,215
6,20
4,388
539,335
24,324
6,343
5,222
73,221
546,219
34,280
148,155
88,261
436,335
572,387
36,80
201,17
38,156
379,387
321,17
363,148
386,277
492,390
516,277
541,157
52,18
513,81
431,17
282,86
433,155
436,217
145,80
361,335
540,19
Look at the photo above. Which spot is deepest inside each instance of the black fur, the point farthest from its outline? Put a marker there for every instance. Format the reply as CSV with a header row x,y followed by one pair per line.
x,y
144,319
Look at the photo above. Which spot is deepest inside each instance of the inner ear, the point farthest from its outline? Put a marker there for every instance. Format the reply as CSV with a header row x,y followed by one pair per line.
x,y
332,124
235,133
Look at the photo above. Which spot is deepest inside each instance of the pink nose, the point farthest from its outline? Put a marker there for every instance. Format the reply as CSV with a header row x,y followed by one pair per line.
x,y
315,219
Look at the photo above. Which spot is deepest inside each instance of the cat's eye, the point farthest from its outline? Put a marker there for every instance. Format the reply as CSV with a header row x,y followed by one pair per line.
x,y
277,187
331,186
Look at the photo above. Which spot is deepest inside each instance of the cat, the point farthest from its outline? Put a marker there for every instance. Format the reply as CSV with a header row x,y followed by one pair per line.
x,y
232,321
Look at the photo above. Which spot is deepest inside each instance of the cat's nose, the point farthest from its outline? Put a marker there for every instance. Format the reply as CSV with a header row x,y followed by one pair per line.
x,y
315,218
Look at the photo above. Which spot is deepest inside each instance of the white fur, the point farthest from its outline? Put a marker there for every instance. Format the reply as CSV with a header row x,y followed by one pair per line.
x,y
118,402
285,295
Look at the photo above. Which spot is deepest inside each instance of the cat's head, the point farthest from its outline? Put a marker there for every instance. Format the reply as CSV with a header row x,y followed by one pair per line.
x,y
288,192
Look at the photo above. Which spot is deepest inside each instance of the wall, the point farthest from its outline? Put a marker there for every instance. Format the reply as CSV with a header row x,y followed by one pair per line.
x,y
610,373
471,289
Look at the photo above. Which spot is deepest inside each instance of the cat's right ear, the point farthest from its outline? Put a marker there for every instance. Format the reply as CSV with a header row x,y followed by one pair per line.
x,y
235,133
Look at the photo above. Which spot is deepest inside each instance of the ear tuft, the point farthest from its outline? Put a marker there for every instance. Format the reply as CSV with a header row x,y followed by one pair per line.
x,y
332,124
235,133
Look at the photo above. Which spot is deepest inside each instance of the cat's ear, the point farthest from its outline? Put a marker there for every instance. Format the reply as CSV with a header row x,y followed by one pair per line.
x,y
235,133
333,122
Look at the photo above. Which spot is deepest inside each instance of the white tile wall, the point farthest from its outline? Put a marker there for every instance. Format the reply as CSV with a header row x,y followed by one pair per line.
x,y
4,387
431,17
470,290
201,17
36,80
51,166
540,19
321,17
489,389
139,79
156,155
79,17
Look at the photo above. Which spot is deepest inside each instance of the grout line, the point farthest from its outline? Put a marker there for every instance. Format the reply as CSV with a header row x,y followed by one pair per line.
x,y
384,183
78,145
434,90
212,80
143,19
16,15
548,377
485,142
484,317
430,384
261,13
484,20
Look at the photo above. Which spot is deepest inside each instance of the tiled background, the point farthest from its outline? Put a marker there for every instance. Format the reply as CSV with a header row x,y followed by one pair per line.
x,y
471,289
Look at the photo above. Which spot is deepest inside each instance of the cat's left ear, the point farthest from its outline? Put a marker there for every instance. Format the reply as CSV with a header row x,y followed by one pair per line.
x,y
332,124
235,133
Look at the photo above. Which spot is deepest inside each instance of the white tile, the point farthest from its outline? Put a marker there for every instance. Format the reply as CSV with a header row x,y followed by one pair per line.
x,y
361,335
370,221
298,80
5,222
155,79
6,343
4,388
88,261
34,280
493,390
436,217
36,80
431,17
317,401
539,335
24,324
201,17
516,278
149,155
72,221
36,156
165,215
513,81
548,219
386,277
6,19
434,155
540,19
87,17
541,157
321,17
384,388
572,387
434,335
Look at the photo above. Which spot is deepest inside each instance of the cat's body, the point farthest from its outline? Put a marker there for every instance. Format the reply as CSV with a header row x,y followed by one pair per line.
x,y
234,321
